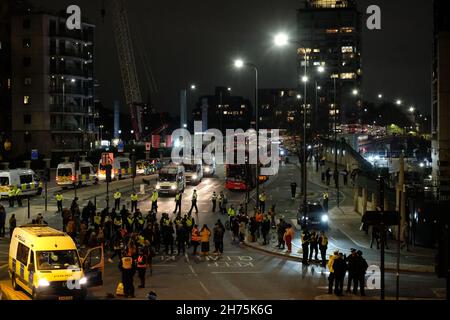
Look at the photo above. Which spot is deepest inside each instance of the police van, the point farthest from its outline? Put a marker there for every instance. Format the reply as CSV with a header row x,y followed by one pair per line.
x,y
193,172
121,169
24,179
66,175
46,264
171,179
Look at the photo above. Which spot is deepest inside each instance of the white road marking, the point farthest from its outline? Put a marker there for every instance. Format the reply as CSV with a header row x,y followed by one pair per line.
x,y
204,288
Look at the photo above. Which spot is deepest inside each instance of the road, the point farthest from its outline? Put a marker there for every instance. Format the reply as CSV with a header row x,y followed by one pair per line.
x,y
241,273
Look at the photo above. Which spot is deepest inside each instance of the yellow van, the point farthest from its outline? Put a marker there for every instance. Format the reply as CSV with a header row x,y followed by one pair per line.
x,y
46,264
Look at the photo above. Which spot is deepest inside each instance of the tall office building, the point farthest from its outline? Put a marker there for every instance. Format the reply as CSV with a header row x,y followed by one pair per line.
x,y
440,127
329,31
52,85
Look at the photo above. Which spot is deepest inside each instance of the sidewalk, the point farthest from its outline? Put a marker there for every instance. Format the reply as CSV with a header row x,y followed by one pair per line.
x,y
344,223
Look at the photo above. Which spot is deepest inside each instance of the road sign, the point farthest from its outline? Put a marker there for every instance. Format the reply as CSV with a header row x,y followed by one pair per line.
x,y
107,158
148,146
120,147
34,155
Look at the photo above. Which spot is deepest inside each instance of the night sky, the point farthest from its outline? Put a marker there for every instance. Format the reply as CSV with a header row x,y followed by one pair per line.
x,y
195,42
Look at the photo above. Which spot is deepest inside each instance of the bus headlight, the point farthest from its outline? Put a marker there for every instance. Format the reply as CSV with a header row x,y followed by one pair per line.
x,y
325,218
83,281
43,283
173,187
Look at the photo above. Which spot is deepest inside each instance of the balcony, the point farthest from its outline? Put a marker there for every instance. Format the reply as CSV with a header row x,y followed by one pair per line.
x,y
71,72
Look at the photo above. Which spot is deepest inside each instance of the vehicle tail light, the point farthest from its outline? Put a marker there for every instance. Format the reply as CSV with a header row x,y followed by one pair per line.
x,y
73,178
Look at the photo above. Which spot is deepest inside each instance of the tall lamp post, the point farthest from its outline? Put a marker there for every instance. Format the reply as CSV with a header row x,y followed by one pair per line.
x,y
239,64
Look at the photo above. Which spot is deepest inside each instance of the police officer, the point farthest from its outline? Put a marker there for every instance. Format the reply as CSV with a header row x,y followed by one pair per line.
x,y
231,213
141,264
221,199
262,201
214,201
128,269
97,221
351,268
139,220
117,223
305,246
11,196
194,202
190,223
134,201
59,201
130,223
19,196
323,246
154,200
293,189
313,246
117,197
325,197
178,199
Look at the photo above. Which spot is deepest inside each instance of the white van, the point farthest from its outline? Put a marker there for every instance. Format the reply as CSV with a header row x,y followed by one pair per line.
x,y
171,179
193,172
45,263
121,169
25,179
66,175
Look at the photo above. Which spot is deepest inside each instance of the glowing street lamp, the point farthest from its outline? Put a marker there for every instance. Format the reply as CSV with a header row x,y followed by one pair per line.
x,y
412,109
355,92
239,63
399,102
380,96
281,39
321,69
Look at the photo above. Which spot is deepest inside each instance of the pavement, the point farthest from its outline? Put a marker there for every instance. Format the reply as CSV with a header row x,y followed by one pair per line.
x,y
344,224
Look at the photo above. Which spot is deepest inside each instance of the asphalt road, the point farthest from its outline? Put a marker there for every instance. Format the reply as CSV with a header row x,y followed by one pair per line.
x,y
241,273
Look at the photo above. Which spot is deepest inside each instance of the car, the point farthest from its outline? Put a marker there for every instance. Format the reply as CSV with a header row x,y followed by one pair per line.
x,y
314,217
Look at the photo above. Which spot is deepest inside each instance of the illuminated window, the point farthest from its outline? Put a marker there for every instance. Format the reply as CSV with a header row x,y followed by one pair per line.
x,y
26,100
348,75
316,50
290,119
282,94
9,83
347,30
347,49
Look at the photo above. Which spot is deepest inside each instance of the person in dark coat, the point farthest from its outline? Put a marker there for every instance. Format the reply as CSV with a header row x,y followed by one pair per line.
x,y
351,269
218,233
313,246
182,238
360,266
127,267
340,269
281,229
265,228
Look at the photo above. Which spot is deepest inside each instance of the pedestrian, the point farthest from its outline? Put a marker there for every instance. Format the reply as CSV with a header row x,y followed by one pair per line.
x,y
2,221
134,201
70,228
59,201
195,239
128,269
240,226
345,176
351,266
265,229
11,196
325,197
65,215
117,197
182,238
293,189
281,229
12,225
375,237
168,238
129,223
194,202
306,238
328,176
218,233
253,226
178,200
19,197
336,178
190,222
220,200
323,246
156,237
154,200
288,237
262,201
214,201
82,234
141,264
340,269
231,214
205,235
259,217
360,273
331,276
74,206
313,246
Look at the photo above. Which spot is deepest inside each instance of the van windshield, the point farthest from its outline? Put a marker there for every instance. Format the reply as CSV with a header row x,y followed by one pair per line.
x,y
64,172
167,177
85,170
26,179
57,260
4,181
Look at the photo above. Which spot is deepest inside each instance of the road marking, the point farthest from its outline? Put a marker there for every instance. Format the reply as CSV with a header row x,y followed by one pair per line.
x,y
236,272
204,288
353,240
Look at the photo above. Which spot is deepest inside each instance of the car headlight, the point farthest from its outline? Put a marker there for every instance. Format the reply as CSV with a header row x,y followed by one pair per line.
x,y
43,283
325,218
194,177
173,187
207,169
83,280
305,218
158,187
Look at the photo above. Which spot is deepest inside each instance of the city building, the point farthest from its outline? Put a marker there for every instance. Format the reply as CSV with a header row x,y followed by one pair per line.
x,y
224,111
329,36
440,127
52,85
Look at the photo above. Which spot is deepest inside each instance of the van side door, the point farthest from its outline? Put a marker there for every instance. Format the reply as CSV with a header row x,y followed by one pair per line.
x,y
94,266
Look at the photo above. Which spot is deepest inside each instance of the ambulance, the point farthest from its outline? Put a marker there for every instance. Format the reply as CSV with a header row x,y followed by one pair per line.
x,y
25,179
121,169
46,264
66,175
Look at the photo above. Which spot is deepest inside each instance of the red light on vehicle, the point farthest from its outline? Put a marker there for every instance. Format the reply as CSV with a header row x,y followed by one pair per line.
x,y
57,178
73,178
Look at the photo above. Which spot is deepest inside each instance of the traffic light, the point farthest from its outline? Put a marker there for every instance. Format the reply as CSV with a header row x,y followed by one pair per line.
x,y
108,170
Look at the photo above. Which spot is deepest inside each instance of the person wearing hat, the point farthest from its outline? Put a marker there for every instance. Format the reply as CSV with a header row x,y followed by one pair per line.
x,y
340,269
331,276
360,273
351,268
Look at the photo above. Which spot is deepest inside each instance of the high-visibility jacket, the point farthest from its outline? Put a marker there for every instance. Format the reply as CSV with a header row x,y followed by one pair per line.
x,y
117,195
330,263
141,261
166,222
12,193
154,196
18,192
141,221
323,241
205,235
325,195
195,236
221,197
189,221
59,197
118,221
259,217
194,196
262,197
127,263
179,221
305,239
178,197
130,221
231,212
214,197
134,197
97,219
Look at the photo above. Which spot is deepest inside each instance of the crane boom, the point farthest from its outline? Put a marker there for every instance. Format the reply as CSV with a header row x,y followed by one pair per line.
x,y
127,63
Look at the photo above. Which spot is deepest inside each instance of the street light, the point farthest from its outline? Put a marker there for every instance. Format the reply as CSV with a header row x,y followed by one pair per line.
x,y
380,96
412,109
321,69
281,39
229,89
355,92
399,102
239,64
193,87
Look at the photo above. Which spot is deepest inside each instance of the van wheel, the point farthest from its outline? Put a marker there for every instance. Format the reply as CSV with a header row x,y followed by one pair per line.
x,y
14,282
